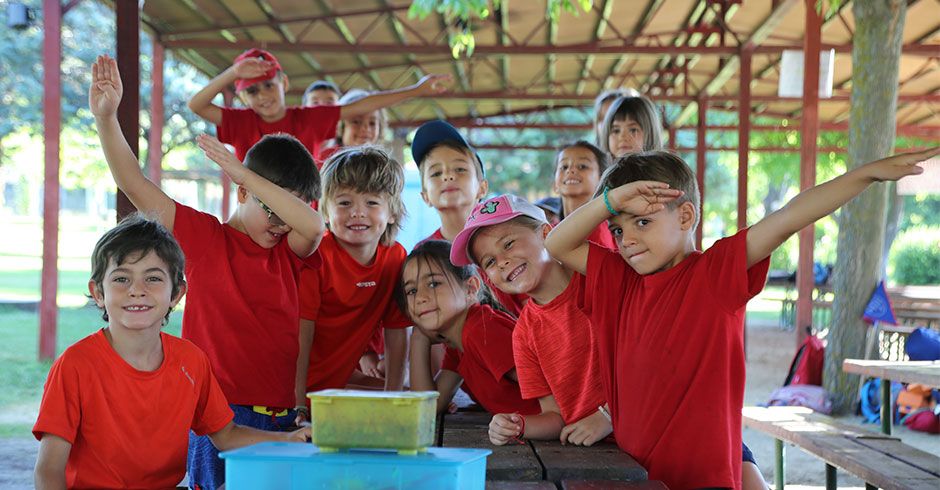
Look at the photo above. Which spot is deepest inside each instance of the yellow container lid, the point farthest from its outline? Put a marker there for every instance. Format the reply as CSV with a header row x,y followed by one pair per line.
x,y
372,395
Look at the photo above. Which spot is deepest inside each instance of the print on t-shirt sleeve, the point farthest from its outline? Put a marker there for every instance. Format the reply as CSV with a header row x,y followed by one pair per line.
x,y
733,284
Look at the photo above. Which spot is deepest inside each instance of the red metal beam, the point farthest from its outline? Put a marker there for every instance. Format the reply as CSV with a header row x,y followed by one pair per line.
x,y
809,130
744,134
701,167
52,125
691,149
155,142
519,94
609,47
128,61
273,23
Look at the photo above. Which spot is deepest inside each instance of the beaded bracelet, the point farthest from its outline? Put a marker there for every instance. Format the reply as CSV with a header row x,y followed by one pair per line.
x,y
607,203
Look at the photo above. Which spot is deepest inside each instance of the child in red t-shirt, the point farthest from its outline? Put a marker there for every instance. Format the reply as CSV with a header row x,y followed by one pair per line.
x,y
578,168
118,405
242,274
669,319
260,84
555,359
344,302
444,303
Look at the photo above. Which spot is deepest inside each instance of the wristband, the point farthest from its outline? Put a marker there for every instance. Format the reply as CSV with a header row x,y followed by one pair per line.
x,y
521,434
605,413
607,203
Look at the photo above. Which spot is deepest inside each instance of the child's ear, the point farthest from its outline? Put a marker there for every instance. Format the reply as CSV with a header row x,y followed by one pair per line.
x,y
687,214
96,293
545,230
285,81
424,197
484,189
473,286
242,194
179,294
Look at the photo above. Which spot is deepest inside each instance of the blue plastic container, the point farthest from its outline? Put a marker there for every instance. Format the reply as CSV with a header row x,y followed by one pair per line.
x,y
282,466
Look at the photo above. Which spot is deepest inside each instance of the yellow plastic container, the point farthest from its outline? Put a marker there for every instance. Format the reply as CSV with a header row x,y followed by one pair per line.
x,y
401,420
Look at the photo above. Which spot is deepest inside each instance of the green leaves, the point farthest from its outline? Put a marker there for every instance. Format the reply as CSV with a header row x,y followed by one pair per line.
x,y
459,16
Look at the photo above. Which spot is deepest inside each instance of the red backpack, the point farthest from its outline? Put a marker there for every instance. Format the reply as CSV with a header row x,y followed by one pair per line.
x,y
807,365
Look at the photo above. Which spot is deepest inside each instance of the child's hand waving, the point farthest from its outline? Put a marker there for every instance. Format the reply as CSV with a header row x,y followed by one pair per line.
x,y
642,197
432,85
218,153
898,166
106,90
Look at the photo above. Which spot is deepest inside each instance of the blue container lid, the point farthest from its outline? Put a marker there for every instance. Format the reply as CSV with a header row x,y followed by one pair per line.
x,y
295,451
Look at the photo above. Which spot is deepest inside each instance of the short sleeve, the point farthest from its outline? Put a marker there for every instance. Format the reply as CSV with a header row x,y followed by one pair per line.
x,y
492,346
212,410
451,360
234,124
323,121
195,231
60,411
594,276
726,265
309,291
532,382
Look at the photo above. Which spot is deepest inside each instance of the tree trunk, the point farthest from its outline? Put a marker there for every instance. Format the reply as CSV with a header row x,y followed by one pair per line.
x,y
875,55
895,210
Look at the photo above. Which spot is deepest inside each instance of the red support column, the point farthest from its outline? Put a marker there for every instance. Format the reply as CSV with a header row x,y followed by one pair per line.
x,y
700,167
673,144
744,134
228,97
128,61
52,125
809,129
155,143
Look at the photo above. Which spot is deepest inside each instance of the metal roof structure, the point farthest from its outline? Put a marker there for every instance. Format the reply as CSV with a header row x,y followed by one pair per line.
x,y
670,50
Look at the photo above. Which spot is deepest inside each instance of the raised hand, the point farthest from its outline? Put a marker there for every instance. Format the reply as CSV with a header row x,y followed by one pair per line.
x,y
218,153
898,166
106,89
252,67
432,85
642,197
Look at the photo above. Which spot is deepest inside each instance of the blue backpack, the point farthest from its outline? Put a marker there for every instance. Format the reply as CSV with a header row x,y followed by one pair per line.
x,y
870,406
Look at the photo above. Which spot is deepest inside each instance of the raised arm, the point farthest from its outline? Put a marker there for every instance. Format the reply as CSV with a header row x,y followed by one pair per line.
x,y
103,99
814,203
567,241
306,223
429,85
201,103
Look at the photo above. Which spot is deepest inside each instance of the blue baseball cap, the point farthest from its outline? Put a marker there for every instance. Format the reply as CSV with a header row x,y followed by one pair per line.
x,y
434,132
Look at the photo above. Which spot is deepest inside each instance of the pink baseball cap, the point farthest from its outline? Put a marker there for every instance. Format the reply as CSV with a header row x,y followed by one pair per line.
x,y
243,83
492,211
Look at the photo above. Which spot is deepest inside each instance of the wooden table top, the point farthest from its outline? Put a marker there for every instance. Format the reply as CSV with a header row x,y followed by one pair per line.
x,y
923,372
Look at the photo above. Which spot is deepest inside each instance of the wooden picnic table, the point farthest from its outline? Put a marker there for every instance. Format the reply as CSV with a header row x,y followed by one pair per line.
x,y
923,372
538,461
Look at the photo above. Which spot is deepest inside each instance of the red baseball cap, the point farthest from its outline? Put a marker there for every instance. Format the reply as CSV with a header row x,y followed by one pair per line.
x,y
243,83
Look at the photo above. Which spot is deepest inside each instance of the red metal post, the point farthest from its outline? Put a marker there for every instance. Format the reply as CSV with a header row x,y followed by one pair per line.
x,y
128,61
809,129
228,97
744,134
155,142
52,125
673,144
700,167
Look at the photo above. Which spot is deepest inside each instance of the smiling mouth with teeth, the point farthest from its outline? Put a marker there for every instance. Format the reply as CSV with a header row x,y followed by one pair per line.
x,y
516,273
136,308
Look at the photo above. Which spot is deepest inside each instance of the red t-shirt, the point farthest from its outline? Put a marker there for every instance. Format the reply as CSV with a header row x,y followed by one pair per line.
x,y
486,358
129,428
673,359
513,303
242,127
555,354
602,236
347,301
325,154
241,308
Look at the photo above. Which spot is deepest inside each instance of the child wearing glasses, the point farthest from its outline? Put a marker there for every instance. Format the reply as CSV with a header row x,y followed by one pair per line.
x,y
343,303
242,274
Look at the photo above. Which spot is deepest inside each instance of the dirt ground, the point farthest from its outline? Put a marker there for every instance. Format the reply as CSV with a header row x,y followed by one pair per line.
x,y
769,353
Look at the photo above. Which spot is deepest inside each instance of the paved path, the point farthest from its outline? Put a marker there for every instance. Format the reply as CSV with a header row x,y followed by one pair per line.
x,y
17,457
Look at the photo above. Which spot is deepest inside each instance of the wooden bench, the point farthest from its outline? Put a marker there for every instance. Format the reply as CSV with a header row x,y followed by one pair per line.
x,y
882,461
